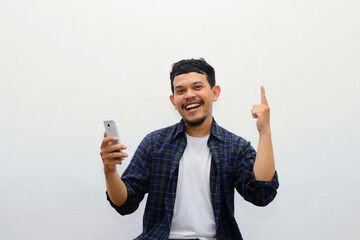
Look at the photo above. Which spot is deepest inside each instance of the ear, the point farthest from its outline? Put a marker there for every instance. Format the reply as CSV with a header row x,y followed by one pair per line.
x,y
216,92
173,100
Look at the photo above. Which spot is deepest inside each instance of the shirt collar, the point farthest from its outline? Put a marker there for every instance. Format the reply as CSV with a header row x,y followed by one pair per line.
x,y
180,129
215,130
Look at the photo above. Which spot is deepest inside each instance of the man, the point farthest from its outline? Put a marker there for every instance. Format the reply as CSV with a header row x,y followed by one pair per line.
x,y
190,169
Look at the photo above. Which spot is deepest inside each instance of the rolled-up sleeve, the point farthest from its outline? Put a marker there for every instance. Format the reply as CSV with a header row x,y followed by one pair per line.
x,y
260,193
136,178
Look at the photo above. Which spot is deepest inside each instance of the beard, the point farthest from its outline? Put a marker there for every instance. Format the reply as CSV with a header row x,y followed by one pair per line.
x,y
196,122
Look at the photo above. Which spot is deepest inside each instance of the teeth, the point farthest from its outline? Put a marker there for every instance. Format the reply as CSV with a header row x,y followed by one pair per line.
x,y
192,106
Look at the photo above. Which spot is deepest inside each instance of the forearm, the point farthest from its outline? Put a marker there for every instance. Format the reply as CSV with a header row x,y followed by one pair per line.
x,y
116,188
264,167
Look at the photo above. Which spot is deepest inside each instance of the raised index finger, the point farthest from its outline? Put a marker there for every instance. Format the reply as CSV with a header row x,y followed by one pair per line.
x,y
263,98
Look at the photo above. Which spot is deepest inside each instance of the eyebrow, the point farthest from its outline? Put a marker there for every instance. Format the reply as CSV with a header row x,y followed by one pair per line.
x,y
194,83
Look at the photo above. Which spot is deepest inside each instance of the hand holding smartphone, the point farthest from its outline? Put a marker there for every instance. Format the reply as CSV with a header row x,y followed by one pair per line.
x,y
111,130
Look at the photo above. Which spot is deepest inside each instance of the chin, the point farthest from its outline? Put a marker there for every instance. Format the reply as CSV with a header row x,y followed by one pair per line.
x,y
195,122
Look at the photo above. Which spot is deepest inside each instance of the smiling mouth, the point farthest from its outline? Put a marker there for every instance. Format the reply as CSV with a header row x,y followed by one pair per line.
x,y
192,106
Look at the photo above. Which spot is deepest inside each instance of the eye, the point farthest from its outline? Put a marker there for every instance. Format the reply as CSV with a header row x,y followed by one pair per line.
x,y
179,91
197,87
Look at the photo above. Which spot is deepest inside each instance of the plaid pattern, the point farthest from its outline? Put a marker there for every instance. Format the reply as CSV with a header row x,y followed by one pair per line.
x,y
154,170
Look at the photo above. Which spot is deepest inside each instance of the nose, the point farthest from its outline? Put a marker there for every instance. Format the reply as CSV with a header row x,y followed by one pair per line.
x,y
189,94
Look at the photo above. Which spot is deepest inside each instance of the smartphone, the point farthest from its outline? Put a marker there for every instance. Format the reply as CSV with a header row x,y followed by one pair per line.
x,y
111,130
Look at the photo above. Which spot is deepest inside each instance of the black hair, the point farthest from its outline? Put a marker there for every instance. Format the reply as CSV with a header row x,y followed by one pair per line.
x,y
192,65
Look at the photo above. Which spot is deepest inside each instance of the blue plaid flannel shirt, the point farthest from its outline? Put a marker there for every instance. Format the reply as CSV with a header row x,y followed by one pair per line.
x,y
154,170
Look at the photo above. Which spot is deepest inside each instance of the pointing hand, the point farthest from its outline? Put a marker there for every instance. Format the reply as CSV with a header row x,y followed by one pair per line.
x,y
262,113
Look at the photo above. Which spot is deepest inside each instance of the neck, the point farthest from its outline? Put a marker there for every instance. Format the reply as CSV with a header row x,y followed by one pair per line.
x,y
199,131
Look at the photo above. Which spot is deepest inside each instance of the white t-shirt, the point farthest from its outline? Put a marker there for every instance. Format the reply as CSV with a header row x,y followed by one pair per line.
x,y
193,212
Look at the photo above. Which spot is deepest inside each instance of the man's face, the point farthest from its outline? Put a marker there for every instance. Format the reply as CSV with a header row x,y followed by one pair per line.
x,y
193,97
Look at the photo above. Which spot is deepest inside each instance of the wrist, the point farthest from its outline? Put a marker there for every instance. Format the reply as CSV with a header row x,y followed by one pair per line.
x,y
110,170
265,132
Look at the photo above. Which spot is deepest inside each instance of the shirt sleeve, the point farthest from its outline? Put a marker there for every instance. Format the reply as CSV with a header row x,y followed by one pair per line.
x,y
260,193
136,178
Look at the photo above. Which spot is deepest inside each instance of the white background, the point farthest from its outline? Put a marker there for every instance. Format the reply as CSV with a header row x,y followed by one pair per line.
x,y
65,66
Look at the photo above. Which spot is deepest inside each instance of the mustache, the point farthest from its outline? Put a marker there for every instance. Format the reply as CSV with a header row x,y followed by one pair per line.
x,y
192,101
